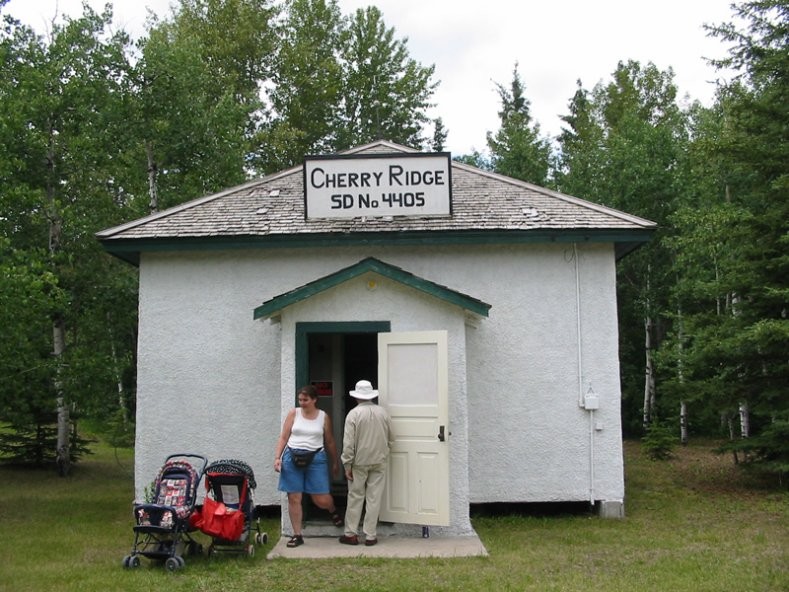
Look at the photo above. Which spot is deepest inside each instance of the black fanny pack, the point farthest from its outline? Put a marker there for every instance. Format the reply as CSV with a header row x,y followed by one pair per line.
x,y
303,458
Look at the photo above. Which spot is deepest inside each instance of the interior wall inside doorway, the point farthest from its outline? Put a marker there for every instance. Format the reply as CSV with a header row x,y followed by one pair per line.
x,y
336,361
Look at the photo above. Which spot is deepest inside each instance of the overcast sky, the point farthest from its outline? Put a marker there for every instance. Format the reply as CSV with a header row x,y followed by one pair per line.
x,y
475,44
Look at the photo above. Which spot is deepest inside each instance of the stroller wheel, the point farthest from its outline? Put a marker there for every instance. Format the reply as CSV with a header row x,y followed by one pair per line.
x,y
261,538
131,561
194,548
174,563
251,550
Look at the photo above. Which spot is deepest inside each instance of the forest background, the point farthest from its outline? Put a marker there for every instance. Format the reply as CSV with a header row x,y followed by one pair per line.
x,y
97,129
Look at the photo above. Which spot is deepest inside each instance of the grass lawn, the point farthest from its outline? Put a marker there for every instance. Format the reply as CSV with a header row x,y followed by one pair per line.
x,y
691,525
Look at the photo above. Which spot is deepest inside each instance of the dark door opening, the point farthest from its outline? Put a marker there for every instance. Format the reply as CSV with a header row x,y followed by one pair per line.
x,y
361,363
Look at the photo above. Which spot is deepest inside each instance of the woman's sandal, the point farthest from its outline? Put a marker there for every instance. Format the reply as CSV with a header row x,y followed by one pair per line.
x,y
336,519
295,540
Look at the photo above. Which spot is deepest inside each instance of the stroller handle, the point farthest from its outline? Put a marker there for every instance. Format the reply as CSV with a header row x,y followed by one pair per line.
x,y
203,460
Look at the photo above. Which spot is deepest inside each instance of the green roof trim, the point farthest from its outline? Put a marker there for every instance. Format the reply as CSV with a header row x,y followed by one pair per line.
x,y
370,264
624,240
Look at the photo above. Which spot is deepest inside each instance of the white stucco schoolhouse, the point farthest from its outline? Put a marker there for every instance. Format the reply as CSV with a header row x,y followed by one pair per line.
x,y
483,308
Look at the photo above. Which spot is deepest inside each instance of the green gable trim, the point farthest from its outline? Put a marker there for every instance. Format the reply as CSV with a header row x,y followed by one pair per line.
x,y
625,240
371,264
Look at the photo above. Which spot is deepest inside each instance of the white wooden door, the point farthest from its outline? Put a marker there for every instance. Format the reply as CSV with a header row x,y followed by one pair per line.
x,y
413,381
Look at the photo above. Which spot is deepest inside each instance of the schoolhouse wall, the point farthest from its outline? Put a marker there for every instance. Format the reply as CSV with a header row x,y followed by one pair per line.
x,y
211,379
207,380
530,440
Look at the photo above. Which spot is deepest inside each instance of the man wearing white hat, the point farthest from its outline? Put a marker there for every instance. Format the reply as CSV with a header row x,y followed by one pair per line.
x,y
365,453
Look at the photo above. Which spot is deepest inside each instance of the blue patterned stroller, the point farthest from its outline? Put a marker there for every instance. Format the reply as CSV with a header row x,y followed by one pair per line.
x,y
162,527
228,514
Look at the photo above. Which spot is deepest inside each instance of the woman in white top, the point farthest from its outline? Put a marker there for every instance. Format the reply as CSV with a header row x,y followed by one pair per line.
x,y
307,429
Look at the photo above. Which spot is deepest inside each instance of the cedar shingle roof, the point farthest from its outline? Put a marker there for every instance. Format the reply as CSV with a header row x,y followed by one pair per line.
x,y
273,206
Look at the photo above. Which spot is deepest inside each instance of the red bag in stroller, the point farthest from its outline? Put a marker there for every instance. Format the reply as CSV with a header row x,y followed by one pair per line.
x,y
219,521
228,514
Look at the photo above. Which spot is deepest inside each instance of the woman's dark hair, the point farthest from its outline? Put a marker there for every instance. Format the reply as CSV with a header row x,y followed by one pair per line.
x,y
308,390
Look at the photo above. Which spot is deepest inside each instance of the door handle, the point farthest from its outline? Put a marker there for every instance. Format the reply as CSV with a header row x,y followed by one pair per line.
x,y
441,434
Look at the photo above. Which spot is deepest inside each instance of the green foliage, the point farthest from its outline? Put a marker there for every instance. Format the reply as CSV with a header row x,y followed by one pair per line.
x,y
517,149
307,81
440,134
339,82
119,430
192,104
29,293
578,167
475,159
235,38
659,442
728,345
61,123
385,93
767,452
35,444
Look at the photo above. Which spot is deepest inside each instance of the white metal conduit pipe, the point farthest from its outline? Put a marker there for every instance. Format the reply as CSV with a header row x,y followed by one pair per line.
x,y
578,327
589,400
591,403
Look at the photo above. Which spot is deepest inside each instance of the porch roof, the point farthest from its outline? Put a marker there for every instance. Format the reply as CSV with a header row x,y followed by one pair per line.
x,y
371,264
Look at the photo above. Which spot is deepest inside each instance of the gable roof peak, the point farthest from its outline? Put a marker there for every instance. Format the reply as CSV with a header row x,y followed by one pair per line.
x,y
275,305
379,146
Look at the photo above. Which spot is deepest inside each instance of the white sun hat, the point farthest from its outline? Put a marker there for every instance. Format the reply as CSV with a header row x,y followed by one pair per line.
x,y
364,391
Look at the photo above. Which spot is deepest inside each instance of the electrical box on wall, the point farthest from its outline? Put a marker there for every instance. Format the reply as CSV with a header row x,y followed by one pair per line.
x,y
591,402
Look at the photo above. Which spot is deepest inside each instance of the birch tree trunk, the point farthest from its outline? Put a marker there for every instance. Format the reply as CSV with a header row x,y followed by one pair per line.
x,y
745,420
649,378
683,422
62,453
153,171
117,371
63,457
730,423
683,406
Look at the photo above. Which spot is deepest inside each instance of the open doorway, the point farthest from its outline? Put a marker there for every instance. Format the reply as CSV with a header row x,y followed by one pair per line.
x,y
333,357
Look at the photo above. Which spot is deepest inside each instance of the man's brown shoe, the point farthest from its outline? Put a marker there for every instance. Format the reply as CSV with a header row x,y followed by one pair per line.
x,y
370,542
349,540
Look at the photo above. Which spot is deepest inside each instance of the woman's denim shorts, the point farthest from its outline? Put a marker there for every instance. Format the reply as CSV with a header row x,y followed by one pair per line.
x,y
311,479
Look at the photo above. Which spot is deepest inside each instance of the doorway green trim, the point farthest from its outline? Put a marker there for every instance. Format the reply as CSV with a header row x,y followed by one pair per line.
x,y
304,329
